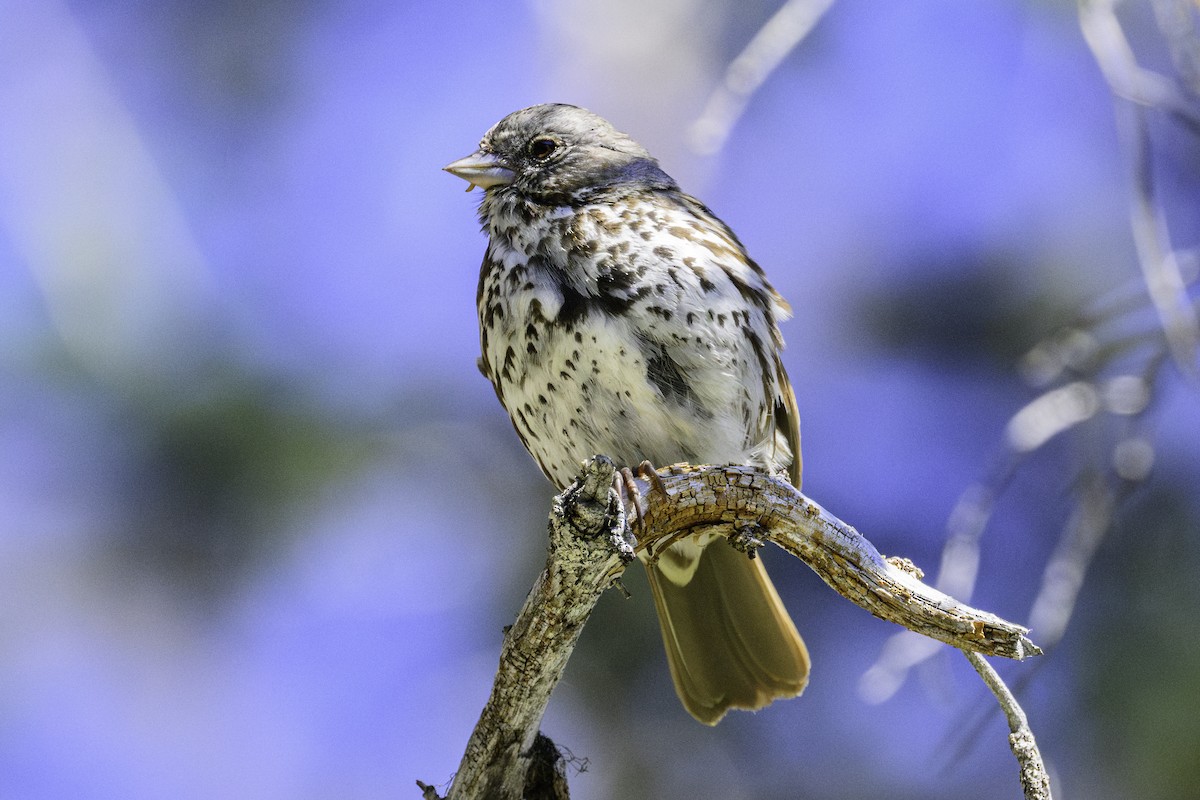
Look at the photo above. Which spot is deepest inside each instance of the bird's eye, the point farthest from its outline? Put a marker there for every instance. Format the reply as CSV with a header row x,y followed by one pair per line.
x,y
541,148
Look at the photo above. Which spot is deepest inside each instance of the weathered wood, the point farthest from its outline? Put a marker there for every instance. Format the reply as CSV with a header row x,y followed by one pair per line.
x,y
589,550
736,498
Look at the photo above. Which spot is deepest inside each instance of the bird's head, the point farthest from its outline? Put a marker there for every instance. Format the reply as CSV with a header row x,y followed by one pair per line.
x,y
557,153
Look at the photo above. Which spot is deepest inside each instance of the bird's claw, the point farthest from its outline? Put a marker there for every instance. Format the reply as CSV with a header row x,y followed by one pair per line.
x,y
631,498
646,470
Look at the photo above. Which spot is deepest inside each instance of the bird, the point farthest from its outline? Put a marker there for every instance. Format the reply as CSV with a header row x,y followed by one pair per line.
x,y
619,316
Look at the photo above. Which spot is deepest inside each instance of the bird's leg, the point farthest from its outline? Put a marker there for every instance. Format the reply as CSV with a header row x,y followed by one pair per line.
x,y
632,497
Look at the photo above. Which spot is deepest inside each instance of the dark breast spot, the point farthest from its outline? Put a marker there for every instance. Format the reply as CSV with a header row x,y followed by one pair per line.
x,y
665,374
659,311
515,276
493,314
574,307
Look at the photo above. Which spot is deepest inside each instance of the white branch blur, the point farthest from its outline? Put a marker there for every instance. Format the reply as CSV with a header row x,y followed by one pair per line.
x,y
1105,364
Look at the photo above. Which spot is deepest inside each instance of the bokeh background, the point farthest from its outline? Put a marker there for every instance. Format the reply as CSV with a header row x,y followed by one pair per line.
x,y
262,521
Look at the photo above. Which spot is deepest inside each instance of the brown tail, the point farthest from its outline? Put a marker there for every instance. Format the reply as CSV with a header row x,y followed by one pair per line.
x,y
730,642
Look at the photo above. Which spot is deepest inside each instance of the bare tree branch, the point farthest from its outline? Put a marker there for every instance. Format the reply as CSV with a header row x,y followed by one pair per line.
x,y
736,498
589,551
587,554
1035,782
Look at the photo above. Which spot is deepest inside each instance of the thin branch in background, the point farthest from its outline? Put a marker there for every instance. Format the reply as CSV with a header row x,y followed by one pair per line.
x,y
1179,20
1097,497
1127,79
1065,571
1055,411
1137,85
1104,364
1160,267
956,576
781,34
1035,782
1098,494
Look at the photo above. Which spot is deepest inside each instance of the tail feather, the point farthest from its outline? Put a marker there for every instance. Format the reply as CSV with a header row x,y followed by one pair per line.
x,y
730,642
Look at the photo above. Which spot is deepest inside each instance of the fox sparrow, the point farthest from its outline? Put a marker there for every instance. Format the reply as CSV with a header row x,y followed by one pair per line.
x,y
619,316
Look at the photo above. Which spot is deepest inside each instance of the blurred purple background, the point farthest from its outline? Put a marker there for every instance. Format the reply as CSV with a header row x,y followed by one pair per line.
x,y
262,522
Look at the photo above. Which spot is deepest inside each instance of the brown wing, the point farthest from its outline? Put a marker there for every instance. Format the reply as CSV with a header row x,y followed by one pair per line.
x,y
787,420
786,416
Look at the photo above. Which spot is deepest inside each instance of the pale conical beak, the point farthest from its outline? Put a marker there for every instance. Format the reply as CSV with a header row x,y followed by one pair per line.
x,y
480,169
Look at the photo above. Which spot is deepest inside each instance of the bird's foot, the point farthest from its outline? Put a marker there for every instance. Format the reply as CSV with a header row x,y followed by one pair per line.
x,y
650,473
631,498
